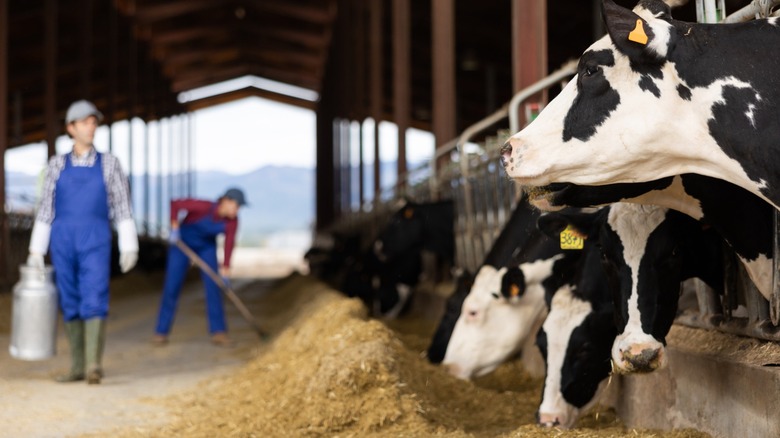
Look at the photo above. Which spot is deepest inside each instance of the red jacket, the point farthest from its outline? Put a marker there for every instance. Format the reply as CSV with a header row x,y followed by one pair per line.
x,y
196,210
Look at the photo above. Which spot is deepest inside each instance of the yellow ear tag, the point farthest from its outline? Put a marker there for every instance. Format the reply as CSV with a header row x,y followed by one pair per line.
x,y
514,290
408,213
638,35
571,239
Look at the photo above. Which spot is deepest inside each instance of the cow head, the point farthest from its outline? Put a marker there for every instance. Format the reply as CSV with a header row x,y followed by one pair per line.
x,y
649,251
498,315
627,115
646,252
403,232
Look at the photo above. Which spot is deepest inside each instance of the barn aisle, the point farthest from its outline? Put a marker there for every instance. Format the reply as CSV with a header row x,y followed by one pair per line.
x,y
328,370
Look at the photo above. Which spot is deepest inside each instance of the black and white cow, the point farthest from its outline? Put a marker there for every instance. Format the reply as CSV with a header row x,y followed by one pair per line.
x,y
658,97
465,338
622,303
743,219
576,337
647,251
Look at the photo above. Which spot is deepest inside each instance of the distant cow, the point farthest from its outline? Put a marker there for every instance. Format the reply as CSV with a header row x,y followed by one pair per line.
x,y
743,219
385,275
658,97
429,226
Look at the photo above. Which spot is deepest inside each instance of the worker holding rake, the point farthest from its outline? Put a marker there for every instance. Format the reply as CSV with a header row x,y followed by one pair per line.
x,y
203,222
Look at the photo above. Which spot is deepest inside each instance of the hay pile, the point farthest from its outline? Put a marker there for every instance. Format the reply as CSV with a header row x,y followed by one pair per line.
x,y
334,372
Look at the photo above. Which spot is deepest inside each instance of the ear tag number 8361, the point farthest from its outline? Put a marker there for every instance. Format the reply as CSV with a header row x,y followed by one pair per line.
x,y
571,239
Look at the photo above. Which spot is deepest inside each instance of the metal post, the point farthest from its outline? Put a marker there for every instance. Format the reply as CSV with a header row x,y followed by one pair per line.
x,y
774,304
50,68
4,234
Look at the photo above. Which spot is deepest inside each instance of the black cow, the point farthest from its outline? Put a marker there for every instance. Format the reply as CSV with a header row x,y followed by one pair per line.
x,y
658,97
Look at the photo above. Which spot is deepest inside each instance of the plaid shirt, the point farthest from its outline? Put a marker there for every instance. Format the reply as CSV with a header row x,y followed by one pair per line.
x,y
116,185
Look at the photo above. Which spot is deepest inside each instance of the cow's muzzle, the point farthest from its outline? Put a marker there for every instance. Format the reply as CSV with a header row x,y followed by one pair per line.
x,y
506,153
641,359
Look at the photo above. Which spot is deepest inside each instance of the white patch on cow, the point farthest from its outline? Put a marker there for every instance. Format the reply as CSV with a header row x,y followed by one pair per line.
x,y
491,329
661,31
760,271
772,21
674,197
567,312
538,271
633,224
750,115
404,292
643,139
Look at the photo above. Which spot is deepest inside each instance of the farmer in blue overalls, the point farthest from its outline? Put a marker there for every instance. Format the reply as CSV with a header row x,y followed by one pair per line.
x,y
204,220
82,192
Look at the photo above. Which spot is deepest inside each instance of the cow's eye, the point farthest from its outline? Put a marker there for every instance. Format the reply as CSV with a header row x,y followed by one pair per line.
x,y
592,70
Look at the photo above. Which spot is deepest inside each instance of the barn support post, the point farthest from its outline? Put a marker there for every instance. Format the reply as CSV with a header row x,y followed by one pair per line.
x,y
774,304
4,234
50,72
375,79
132,87
146,179
87,12
402,93
529,47
159,177
443,76
113,48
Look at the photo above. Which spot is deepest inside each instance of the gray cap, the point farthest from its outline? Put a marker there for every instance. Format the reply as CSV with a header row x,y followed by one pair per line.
x,y
80,110
236,195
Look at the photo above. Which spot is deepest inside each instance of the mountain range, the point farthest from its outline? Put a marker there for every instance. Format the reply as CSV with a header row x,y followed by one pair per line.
x,y
280,198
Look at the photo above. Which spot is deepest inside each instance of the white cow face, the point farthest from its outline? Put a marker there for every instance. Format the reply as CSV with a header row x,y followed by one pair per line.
x,y
627,115
644,253
499,314
574,341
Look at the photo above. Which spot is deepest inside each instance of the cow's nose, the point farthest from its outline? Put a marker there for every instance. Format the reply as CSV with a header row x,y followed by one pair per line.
x,y
506,153
642,360
548,420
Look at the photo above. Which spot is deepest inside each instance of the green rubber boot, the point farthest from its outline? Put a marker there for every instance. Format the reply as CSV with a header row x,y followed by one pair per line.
x,y
95,340
75,332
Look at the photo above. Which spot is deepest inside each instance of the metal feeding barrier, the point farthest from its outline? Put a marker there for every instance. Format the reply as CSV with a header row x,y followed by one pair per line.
x,y
469,173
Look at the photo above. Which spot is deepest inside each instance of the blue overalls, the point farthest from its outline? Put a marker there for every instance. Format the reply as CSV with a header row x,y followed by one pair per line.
x,y
201,236
80,245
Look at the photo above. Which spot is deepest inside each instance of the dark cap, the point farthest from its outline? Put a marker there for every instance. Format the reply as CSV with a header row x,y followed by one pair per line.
x,y
236,195
80,110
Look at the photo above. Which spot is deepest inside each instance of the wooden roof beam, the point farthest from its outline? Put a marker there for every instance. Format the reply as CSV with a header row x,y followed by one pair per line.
x,y
312,14
157,10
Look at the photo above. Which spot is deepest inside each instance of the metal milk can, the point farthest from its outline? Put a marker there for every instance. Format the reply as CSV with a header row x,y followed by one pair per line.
x,y
34,314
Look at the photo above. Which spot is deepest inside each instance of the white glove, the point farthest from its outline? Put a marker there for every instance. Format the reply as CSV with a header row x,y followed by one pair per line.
x,y
35,260
39,239
127,237
127,260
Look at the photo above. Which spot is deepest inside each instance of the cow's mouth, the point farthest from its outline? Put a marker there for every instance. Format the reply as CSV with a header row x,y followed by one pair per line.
x,y
546,197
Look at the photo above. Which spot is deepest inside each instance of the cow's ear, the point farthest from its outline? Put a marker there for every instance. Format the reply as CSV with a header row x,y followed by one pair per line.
x,y
630,33
552,224
513,283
